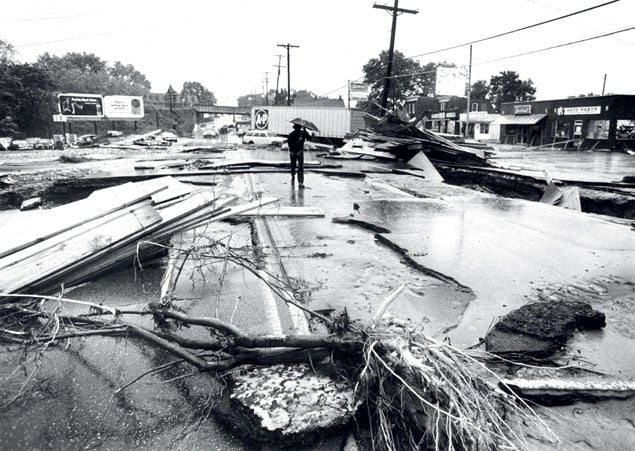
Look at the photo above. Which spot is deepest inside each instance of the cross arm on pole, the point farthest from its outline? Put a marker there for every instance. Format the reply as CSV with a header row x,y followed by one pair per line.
x,y
396,10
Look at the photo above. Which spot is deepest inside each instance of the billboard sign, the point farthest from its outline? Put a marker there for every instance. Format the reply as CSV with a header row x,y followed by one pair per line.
x,y
261,119
81,106
358,91
123,107
451,81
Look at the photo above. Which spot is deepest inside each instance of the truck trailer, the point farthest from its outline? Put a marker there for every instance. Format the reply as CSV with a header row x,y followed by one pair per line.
x,y
335,123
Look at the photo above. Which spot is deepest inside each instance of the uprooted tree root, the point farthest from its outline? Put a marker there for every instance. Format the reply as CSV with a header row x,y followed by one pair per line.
x,y
419,393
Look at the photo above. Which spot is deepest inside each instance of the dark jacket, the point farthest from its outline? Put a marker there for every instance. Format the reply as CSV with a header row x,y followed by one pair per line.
x,y
296,140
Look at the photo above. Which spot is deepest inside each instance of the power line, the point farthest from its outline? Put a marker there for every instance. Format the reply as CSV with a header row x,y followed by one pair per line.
x,y
559,45
36,19
76,38
517,29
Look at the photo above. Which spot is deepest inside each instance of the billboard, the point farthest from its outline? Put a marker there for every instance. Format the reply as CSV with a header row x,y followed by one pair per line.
x,y
123,107
451,81
358,91
81,106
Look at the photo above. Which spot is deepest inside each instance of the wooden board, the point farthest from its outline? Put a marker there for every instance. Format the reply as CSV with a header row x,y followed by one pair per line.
x,y
286,211
26,232
35,267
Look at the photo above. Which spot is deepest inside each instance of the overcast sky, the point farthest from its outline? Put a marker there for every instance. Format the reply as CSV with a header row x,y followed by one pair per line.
x,y
229,45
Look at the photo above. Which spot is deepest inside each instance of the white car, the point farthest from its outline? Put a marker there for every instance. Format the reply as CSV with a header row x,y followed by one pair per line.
x,y
263,138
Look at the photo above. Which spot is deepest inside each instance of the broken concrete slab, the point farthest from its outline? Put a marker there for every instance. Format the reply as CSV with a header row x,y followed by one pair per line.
x,y
288,404
540,328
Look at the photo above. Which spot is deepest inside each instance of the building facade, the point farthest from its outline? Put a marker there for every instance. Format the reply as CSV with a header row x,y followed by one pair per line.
x,y
596,122
447,114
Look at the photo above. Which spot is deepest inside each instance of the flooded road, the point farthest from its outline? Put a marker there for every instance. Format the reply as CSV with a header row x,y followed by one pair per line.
x,y
466,258
568,165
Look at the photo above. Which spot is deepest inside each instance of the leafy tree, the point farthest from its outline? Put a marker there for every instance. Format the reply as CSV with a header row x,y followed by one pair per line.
x,y
408,78
26,103
479,90
7,51
508,87
88,73
129,79
194,88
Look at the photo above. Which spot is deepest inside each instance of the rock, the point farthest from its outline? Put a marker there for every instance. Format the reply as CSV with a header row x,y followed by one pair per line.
x,y
540,328
287,403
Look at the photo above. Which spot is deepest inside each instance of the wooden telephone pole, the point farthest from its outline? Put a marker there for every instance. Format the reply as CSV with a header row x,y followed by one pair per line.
x,y
288,46
395,10
275,101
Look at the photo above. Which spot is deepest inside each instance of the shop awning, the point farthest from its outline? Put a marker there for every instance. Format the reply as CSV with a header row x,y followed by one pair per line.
x,y
525,119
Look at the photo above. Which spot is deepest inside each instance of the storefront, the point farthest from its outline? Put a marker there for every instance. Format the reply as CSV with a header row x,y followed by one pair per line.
x,y
443,122
481,126
599,122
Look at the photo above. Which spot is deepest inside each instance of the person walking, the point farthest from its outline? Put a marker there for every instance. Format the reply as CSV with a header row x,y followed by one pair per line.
x,y
296,152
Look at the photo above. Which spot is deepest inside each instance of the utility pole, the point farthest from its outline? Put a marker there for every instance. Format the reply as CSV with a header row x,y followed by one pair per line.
x,y
604,84
288,46
266,88
275,101
469,92
395,12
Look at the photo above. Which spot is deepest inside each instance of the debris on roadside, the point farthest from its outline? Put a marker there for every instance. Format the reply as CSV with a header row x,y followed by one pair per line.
x,y
73,242
392,137
31,204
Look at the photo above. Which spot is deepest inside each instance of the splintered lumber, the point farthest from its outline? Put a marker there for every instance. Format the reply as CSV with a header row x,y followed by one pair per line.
x,y
24,233
286,211
76,247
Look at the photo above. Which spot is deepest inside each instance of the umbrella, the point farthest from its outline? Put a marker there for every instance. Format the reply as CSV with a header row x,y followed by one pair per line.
x,y
305,123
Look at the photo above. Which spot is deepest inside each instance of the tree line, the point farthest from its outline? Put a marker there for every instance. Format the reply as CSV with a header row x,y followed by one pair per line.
x,y
410,78
28,91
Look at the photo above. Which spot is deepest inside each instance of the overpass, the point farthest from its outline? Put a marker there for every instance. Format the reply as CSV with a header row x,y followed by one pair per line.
x,y
203,108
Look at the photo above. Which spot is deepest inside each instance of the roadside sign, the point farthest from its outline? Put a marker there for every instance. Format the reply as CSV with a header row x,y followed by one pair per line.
x,y
60,118
451,81
123,107
81,106
358,91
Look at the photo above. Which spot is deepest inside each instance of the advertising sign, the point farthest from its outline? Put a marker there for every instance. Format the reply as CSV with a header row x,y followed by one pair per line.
x,y
81,106
574,110
261,119
358,91
451,81
123,107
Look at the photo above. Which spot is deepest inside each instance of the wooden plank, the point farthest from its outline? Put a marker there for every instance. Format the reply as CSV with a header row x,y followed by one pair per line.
x,y
26,232
19,277
17,258
286,211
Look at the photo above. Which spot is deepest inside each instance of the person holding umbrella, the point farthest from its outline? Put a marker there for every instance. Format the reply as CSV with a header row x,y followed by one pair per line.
x,y
296,152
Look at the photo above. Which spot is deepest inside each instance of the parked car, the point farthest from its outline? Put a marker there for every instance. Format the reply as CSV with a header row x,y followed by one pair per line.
x,y
114,133
86,140
263,138
169,137
20,144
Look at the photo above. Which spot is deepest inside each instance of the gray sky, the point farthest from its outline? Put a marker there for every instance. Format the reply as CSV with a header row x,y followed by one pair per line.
x,y
229,45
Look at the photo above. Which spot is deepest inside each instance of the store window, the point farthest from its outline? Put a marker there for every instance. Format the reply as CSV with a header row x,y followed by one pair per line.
x,y
625,129
484,128
598,130
561,129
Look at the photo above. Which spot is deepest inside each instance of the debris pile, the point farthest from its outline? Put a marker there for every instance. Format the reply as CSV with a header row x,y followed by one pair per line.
x,y
391,137
73,242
